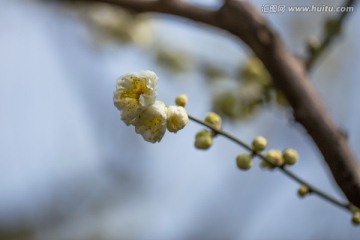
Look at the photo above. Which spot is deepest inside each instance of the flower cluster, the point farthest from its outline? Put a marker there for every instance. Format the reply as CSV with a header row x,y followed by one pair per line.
x,y
135,97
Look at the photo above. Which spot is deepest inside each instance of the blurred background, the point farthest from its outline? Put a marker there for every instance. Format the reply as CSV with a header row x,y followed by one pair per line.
x,y
72,170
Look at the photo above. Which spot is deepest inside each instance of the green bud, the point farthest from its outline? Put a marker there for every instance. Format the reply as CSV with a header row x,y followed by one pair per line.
x,y
213,119
313,44
203,139
303,191
356,218
203,133
259,144
290,156
244,161
254,71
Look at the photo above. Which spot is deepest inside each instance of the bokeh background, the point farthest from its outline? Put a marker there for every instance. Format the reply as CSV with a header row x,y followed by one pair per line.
x,y
72,170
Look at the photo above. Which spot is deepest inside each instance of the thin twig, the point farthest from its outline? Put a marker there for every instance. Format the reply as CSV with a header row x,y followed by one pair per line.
x,y
330,36
287,172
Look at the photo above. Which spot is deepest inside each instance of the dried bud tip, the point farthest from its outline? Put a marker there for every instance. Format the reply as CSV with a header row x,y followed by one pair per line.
x,y
303,191
275,157
356,218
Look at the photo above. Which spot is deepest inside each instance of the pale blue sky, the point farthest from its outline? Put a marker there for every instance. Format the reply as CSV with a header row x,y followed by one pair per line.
x,y
65,152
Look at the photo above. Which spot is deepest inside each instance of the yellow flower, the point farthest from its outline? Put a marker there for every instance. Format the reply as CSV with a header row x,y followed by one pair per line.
x,y
134,91
151,122
177,118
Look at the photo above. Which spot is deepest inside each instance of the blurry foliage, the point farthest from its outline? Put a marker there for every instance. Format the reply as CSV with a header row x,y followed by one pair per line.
x,y
237,104
112,23
174,60
253,88
254,72
125,27
212,72
118,24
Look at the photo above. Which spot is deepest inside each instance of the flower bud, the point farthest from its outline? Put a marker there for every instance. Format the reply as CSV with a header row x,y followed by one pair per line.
x,y
203,139
244,161
356,217
177,118
181,100
213,119
303,190
313,45
259,144
275,157
290,156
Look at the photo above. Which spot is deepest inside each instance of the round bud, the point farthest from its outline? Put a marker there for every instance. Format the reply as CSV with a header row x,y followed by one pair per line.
x,y
303,191
203,133
181,100
290,156
313,44
244,161
275,157
177,118
356,217
259,144
213,119
203,140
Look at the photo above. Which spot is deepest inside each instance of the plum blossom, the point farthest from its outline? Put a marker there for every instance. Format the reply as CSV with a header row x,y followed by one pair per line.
x,y
135,98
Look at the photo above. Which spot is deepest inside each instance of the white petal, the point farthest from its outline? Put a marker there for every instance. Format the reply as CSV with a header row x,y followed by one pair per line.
x,y
134,91
177,118
151,122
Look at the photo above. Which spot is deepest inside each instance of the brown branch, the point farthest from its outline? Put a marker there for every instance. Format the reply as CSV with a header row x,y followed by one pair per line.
x,y
289,75
244,21
173,7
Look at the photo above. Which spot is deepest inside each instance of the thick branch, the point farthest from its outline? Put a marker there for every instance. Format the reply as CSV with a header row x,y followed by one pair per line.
x,y
173,7
289,75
